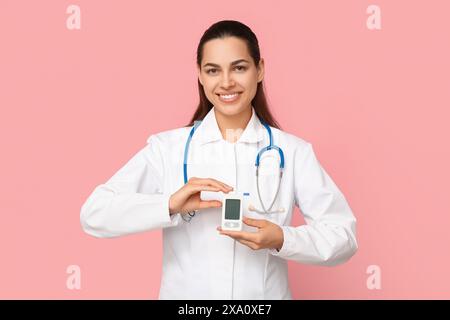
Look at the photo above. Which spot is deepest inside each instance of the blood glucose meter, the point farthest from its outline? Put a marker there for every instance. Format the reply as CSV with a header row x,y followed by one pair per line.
x,y
232,212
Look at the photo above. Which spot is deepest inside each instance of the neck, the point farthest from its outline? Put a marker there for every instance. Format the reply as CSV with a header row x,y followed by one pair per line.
x,y
232,126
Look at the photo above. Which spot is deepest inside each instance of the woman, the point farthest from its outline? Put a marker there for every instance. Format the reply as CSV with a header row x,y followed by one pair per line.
x,y
151,191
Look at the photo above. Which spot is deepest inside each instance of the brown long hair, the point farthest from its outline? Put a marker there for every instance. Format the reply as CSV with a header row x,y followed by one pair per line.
x,y
228,28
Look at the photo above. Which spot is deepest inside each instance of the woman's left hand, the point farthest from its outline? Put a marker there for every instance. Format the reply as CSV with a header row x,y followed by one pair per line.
x,y
268,236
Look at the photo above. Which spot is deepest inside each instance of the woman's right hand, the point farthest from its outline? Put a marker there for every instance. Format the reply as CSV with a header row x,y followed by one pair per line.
x,y
187,198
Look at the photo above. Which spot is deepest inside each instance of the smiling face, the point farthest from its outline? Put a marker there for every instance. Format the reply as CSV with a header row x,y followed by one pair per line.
x,y
229,75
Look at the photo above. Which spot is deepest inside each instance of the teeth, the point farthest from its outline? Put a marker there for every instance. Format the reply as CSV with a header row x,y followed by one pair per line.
x,y
230,96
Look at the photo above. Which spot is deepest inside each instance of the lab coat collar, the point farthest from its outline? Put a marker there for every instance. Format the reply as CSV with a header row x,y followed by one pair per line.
x,y
208,130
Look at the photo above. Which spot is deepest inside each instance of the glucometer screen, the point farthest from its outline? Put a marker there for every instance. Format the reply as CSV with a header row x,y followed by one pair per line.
x,y
232,209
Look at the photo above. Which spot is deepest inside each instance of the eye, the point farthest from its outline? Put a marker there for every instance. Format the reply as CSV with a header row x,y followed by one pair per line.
x,y
239,68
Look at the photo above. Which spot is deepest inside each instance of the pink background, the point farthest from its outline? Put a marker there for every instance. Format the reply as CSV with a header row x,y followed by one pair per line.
x,y
77,104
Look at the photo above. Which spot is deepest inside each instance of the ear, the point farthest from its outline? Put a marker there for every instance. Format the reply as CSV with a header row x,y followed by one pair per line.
x,y
261,70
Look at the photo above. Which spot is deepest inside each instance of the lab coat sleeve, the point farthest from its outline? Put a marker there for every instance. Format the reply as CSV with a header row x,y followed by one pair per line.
x,y
329,237
132,200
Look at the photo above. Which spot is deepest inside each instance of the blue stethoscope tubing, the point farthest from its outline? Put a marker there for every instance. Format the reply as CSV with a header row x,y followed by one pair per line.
x,y
257,162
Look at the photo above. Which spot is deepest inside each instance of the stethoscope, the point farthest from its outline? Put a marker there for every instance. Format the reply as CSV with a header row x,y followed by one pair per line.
x,y
187,217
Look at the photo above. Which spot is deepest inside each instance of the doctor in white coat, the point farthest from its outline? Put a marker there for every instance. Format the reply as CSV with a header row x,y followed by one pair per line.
x,y
201,261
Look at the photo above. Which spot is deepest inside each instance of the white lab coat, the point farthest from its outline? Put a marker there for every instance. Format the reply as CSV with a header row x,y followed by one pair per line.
x,y
198,262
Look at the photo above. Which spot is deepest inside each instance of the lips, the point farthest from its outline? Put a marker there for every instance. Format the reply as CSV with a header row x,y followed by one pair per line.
x,y
229,97
225,93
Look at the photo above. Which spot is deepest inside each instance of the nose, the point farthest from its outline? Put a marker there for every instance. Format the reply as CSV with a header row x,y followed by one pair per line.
x,y
227,81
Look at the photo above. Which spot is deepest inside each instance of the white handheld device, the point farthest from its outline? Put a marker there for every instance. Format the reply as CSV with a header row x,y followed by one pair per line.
x,y
232,212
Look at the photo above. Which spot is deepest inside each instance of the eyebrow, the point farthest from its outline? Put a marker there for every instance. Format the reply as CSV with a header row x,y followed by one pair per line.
x,y
232,64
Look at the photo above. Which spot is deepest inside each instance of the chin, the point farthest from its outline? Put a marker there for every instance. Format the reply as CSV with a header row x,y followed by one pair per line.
x,y
229,110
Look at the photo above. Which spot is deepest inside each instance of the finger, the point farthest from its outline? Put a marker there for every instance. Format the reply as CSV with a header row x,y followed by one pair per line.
x,y
212,182
259,223
197,188
249,244
226,187
241,235
222,183
191,190
210,204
